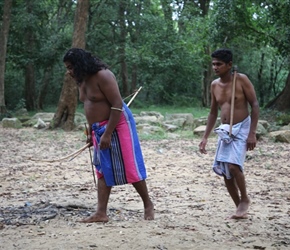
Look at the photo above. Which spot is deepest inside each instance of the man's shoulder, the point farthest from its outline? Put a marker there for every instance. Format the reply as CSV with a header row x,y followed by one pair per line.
x,y
216,81
105,76
104,73
242,76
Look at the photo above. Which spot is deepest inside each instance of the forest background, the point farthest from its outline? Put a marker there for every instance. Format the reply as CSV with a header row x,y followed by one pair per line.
x,y
162,45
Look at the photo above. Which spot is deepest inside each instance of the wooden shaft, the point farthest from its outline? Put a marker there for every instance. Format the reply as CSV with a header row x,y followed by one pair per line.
x,y
233,100
128,104
74,154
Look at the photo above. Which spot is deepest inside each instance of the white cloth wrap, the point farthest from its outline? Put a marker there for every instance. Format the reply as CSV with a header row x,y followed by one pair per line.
x,y
231,149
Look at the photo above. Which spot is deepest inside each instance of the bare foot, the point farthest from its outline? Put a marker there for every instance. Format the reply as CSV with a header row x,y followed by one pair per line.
x,y
149,212
235,217
95,218
243,208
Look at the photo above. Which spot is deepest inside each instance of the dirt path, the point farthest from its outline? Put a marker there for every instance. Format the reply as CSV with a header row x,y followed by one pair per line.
x,y
41,202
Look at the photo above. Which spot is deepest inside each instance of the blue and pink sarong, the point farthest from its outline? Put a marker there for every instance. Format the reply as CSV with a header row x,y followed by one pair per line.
x,y
123,162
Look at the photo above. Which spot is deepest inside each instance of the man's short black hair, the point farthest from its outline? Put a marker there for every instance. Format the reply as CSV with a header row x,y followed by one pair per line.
x,y
224,55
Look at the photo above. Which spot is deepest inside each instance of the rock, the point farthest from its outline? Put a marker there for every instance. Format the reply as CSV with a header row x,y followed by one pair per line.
x,y
178,122
199,122
40,124
203,121
11,123
148,129
287,127
170,127
265,124
280,136
261,130
187,118
158,115
147,119
199,130
45,117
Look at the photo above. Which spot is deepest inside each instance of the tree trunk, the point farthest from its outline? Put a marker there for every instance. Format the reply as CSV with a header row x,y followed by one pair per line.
x,y
122,50
167,10
29,86
207,73
134,78
29,36
207,79
43,89
282,101
261,86
3,48
64,116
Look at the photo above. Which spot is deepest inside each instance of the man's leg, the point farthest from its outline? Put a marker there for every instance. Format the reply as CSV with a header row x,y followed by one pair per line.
x,y
141,188
241,184
233,190
103,197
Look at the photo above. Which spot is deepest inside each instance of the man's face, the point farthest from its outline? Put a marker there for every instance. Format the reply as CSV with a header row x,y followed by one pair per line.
x,y
69,69
219,67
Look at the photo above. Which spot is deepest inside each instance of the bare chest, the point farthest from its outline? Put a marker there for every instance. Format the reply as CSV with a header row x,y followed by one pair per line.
x,y
223,94
90,92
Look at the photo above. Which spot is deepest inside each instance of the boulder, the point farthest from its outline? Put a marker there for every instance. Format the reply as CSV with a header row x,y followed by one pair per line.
x,y
261,130
45,117
158,115
199,131
265,124
170,127
40,124
148,129
280,136
187,118
11,123
147,119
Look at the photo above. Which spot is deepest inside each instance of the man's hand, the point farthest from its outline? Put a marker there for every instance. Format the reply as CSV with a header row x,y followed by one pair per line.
x,y
202,145
105,141
251,142
90,140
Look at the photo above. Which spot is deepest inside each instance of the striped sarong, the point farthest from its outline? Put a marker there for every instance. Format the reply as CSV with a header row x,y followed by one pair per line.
x,y
123,162
231,149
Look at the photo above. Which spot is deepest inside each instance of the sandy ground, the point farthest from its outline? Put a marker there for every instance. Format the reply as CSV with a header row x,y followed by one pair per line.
x,y
42,202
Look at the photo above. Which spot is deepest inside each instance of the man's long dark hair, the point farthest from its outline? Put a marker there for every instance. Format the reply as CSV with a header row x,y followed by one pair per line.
x,y
84,63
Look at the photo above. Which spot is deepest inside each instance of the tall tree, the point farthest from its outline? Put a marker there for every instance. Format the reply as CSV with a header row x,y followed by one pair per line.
x,y
281,102
64,116
122,48
203,7
3,48
278,14
29,37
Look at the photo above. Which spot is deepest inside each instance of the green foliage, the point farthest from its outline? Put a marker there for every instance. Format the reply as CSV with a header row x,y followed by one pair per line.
x,y
169,56
20,104
283,119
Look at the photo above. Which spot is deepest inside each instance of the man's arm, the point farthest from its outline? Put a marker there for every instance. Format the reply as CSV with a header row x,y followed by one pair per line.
x,y
109,86
251,97
211,120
